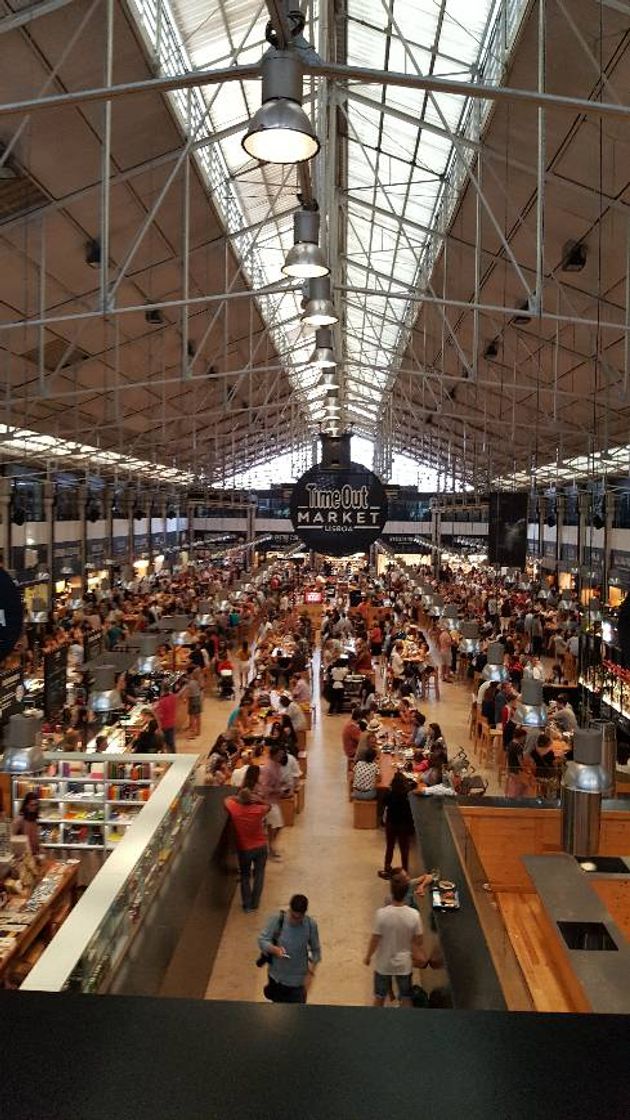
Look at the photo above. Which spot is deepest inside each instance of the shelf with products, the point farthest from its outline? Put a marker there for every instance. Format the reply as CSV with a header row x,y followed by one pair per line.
x,y
88,794
94,940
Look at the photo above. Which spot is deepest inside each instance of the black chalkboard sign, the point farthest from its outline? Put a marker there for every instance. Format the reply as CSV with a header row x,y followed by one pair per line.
x,y
92,644
11,614
55,671
11,693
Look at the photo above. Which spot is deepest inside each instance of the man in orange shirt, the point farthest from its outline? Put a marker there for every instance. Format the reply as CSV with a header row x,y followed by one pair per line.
x,y
247,812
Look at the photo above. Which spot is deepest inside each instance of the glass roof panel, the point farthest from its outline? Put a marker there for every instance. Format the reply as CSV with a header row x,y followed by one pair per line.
x,y
396,169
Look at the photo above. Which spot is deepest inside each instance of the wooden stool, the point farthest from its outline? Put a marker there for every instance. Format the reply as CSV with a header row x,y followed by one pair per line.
x,y
472,721
300,797
432,679
483,745
365,814
287,808
495,746
480,724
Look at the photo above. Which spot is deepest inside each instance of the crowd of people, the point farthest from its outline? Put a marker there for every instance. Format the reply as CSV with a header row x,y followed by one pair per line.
x,y
391,637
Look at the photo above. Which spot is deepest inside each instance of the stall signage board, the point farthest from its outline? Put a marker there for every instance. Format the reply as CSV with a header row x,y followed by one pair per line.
x,y
339,510
92,644
11,614
96,551
55,670
11,693
66,555
120,546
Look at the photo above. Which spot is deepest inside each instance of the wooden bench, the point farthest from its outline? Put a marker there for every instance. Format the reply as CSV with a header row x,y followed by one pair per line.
x,y
365,814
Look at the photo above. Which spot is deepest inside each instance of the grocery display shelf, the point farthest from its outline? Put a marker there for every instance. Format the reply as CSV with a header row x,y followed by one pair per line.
x,y
131,781
72,820
124,801
71,800
79,954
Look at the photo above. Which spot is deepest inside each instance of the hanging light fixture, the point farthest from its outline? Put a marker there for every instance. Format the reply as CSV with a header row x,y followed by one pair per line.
x,y
319,311
280,131
305,260
328,377
494,669
532,710
323,355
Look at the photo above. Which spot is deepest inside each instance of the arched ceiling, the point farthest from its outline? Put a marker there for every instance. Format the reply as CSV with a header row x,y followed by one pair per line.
x,y
188,353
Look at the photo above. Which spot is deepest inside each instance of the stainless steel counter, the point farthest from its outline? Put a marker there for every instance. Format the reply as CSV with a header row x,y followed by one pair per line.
x,y
566,894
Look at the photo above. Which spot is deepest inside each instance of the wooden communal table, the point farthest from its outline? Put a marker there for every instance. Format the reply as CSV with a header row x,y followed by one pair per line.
x,y
47,917
390,763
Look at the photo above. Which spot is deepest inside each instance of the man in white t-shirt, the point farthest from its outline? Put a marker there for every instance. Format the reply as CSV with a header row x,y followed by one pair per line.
x,y
396,945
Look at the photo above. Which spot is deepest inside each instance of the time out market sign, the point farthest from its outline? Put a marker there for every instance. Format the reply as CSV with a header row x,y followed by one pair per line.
x,y
339,510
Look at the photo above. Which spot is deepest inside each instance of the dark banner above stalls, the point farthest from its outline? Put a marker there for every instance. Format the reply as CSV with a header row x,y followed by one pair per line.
x,y
338,507
507,529
120,547
97,552
401,543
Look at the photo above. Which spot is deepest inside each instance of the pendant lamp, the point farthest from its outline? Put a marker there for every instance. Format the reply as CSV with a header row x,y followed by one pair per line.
x,y
280,131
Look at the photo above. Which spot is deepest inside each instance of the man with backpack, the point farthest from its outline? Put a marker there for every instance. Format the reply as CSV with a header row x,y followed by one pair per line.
x,y
289,944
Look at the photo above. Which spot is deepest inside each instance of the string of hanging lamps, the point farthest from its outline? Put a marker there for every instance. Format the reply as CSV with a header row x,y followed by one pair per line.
x,y
280,132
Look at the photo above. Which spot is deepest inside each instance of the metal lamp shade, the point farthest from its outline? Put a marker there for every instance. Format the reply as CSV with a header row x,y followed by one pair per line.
x,y
104,696
532,710
450,617
494,670
304,261
328,379
320,313
280,132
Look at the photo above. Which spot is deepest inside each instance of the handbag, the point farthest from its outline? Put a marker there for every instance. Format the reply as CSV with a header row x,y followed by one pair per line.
x,y
265,958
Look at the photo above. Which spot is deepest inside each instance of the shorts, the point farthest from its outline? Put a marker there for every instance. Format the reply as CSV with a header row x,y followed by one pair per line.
x,y
384,985
274,818
194,706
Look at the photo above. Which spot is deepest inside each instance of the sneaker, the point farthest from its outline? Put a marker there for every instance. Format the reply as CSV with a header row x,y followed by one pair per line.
x,y
275,855
384,874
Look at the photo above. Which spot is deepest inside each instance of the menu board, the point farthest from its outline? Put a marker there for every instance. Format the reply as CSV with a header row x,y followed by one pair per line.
x,y
11,692
92,643
55,670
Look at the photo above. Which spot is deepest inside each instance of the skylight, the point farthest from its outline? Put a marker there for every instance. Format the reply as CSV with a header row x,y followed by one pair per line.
x,y
403,177
23,442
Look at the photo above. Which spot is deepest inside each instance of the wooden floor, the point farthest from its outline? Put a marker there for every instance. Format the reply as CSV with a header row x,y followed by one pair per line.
x,y
529,934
